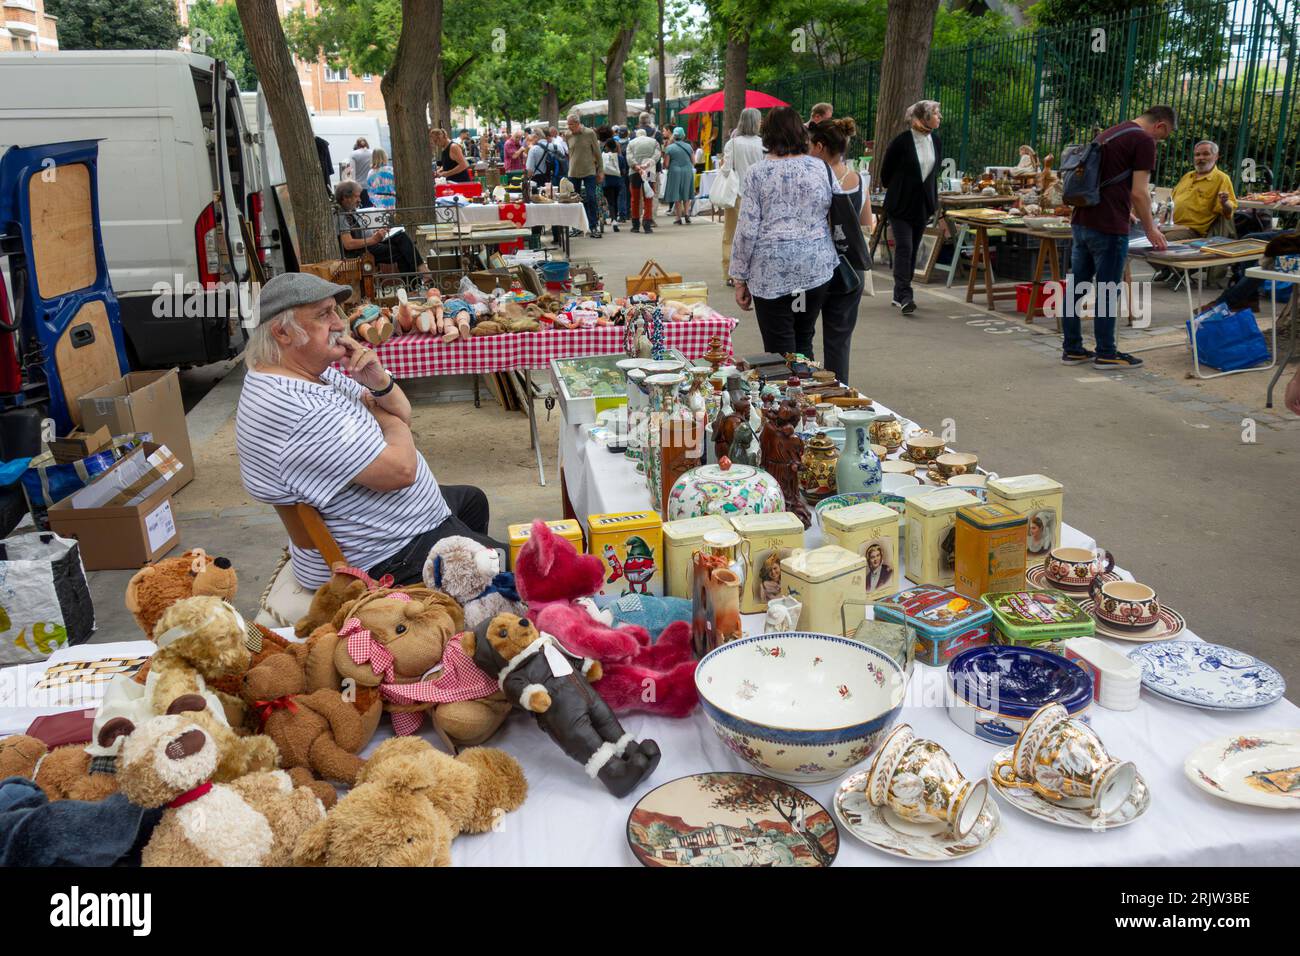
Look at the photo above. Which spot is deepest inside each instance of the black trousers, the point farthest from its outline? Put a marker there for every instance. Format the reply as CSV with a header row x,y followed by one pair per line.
x,y
399,250
907,236
839,316
469,517
788,323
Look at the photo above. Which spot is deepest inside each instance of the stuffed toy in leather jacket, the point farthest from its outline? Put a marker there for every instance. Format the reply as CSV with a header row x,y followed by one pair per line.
x,y
540,676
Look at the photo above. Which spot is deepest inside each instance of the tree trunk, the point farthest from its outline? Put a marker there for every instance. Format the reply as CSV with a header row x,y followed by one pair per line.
x,y
735,77
439,100
318,238
407,92
549,111
615,84
908,30
662,93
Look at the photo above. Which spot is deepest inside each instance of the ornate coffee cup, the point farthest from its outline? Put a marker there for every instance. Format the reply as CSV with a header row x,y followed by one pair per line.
x,y
1125,604
923,449
1076,567
954,463
919,782
1064,761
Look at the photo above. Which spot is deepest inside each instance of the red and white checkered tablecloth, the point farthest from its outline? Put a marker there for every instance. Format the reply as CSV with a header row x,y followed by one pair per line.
x,y
419,356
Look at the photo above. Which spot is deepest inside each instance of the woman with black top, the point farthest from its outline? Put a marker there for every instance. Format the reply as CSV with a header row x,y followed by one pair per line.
x,y
830,141
615,166
449,157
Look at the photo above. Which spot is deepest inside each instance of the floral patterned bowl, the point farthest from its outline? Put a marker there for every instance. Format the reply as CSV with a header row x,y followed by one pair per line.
x,y
799,706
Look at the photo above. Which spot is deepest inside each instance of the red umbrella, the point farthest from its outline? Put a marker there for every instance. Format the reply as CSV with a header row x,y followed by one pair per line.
x,y
714,102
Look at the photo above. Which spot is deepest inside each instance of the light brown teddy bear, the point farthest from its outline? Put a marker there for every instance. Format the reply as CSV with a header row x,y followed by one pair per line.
x,y
345,585
63,773
254,821
319,731
200,639
156,587
396,641
410,802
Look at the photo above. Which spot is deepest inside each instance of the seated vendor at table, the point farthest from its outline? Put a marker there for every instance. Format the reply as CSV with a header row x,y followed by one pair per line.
x,y
306,432
361,236
1203,199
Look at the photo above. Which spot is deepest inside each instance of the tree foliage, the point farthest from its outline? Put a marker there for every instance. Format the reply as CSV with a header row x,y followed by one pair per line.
x,y
224,39
116,24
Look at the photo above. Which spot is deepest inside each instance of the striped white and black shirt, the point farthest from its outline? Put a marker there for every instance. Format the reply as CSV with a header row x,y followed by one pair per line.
x,y
304,442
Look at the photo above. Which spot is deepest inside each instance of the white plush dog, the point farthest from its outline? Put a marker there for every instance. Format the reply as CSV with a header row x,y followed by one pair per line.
x,y
470,573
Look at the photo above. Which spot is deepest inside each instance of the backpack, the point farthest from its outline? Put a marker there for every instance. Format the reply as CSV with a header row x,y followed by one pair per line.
x,y
545,166
1080,171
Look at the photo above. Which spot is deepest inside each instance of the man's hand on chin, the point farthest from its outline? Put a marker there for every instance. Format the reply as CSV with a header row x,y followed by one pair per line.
x,y
363,364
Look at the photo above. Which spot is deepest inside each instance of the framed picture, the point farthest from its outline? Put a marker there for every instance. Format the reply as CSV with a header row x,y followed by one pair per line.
x,y
927,254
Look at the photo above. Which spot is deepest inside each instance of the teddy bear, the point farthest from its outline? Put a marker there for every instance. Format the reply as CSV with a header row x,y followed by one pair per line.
x,y
410,802
199,639
542,677
320,731
553,579
402,644
156,587
255,820
471,573
345,585
63,773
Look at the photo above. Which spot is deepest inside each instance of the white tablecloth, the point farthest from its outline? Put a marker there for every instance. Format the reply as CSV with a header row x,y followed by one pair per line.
x,y
570,214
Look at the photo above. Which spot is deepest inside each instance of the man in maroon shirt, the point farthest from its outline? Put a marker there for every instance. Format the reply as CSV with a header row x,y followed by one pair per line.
x,y
1101,233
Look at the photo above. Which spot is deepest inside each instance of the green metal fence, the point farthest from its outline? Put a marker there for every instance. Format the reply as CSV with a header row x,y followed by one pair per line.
x,y
1229,67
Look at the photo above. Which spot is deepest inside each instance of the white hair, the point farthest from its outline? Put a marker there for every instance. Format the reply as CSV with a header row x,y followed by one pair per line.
x,y
644,118
1214,147
574,118
749,122
922,110
262,349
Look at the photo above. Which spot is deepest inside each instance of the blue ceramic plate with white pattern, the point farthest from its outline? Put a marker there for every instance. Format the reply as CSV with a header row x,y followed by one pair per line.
x,y
1207,675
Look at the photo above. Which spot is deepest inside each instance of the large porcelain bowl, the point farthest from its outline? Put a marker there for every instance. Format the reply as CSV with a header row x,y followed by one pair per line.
x,y
798,706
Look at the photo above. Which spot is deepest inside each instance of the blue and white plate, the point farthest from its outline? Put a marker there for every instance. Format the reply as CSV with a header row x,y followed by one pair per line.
x,y
1207,675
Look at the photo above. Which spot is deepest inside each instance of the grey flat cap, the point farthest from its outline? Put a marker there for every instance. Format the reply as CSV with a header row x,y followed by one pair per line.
x,y
291,289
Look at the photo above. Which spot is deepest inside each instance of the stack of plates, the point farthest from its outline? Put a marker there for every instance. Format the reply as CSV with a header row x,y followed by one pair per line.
x,y
1208,676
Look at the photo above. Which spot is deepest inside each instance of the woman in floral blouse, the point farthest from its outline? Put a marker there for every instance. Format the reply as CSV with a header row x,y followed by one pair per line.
x,y
782,257
379,184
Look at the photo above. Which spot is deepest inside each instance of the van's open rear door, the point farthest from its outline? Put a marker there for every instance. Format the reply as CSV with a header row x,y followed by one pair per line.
x,y
228,198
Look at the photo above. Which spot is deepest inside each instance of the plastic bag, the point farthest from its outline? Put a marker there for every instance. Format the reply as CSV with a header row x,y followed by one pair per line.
x,y
1228,340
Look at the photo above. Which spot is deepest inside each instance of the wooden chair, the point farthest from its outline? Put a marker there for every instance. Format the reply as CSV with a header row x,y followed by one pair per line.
x,y
307,530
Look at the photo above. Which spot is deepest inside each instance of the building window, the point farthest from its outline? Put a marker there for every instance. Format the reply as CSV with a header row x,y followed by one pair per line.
x,y
336,76
356,101
366,77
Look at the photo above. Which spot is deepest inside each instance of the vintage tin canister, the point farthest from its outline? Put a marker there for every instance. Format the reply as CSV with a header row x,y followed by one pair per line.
x,y
1033,617
771,538
682,539
990,550
823,579
931,535
871,530
1038,498
631,545
567,528
944,622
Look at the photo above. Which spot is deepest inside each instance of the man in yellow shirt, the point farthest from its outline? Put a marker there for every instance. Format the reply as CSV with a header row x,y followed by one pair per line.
x,y
1204,194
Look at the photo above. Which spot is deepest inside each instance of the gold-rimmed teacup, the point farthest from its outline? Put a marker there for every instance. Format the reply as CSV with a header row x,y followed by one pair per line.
x,y
1063,760
920,783
923,449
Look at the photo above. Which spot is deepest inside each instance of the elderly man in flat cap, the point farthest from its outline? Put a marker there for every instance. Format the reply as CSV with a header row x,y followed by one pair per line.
x,y
307,432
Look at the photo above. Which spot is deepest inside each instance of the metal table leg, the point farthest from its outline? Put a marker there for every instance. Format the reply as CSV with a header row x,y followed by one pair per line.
x,y
1196,356
1290,307
535,444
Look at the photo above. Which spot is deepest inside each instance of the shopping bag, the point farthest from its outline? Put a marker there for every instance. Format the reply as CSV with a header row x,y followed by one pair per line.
x,y
44,599
650,278
724,192
47,482
1228,340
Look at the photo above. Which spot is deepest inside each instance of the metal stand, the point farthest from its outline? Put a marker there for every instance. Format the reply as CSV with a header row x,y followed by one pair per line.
x,y
534,443
1191,310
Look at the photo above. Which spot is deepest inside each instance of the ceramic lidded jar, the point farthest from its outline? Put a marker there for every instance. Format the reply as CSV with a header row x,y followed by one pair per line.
x,y
817,469
724,489
859,466
888,431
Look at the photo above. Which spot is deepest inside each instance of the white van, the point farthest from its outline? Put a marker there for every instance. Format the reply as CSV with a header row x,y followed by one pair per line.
x,y
176,182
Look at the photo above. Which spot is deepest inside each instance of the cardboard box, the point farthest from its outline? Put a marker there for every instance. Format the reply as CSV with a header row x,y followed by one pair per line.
x,y
80,444
138,475
121,536
144,402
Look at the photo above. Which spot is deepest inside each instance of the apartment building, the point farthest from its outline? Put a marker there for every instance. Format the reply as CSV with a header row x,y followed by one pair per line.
x,y
25,26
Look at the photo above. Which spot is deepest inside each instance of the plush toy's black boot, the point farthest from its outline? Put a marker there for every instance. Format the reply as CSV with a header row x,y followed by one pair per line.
x,y
622,774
